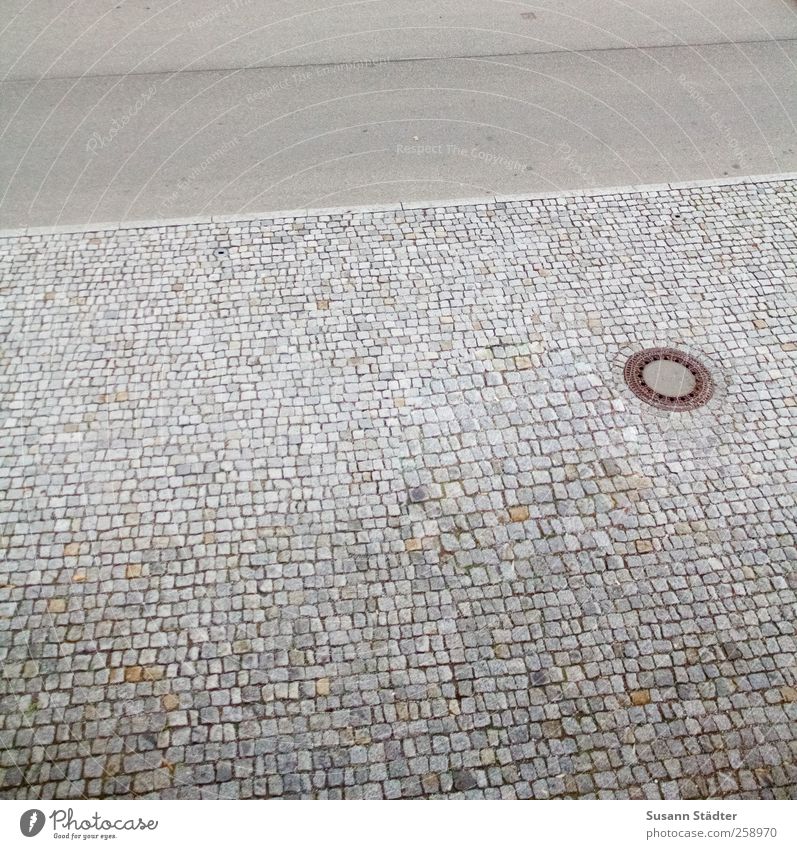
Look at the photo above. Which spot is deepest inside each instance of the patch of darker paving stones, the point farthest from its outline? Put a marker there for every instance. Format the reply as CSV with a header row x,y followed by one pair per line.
x,y
360,505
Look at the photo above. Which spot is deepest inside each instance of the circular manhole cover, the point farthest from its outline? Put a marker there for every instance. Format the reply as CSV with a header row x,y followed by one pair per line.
x,y
668,379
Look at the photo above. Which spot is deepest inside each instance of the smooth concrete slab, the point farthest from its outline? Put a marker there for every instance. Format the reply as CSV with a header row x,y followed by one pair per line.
x,y
117,143
55,38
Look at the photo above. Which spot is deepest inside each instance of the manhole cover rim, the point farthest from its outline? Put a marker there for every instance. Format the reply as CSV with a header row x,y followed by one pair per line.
x,y
699,395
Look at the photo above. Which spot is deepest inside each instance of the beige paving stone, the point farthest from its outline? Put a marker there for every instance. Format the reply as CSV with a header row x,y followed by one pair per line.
x,y
134,674
170,701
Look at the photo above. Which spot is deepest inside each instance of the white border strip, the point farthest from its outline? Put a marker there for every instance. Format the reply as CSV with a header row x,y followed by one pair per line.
x,y
487,200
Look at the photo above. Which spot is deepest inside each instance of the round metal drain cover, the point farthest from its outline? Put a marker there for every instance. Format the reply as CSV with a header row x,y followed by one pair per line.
x,y
668,379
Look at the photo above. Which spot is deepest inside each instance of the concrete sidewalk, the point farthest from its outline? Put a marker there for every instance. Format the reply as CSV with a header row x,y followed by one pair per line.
x,y
200,108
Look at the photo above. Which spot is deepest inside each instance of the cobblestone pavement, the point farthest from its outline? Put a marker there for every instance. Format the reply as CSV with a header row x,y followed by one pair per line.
x,y
359,504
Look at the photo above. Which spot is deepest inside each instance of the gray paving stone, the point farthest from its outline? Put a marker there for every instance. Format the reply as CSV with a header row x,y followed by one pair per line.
x,y
364,509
